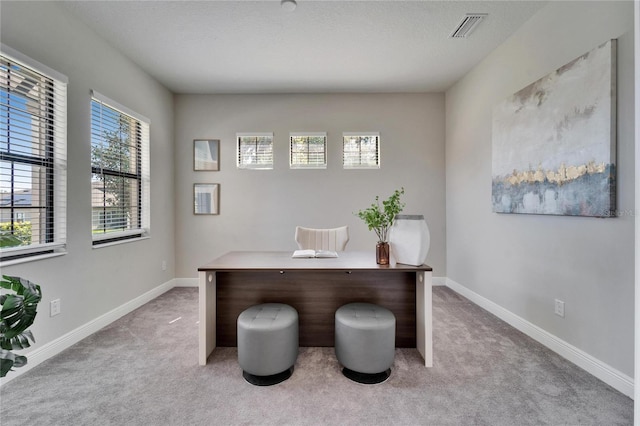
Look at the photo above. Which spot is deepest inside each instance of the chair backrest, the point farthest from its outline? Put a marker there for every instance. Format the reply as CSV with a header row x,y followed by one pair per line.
x,y
334,239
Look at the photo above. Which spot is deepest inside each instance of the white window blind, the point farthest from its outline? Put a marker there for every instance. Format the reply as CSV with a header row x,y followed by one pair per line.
x,y
308,150
33,158
120,180
255,150
361,150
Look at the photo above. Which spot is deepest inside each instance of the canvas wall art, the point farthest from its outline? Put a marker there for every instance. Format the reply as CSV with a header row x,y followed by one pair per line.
x,y
554,142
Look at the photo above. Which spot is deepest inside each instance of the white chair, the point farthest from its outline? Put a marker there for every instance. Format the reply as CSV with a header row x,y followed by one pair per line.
x,y
334,239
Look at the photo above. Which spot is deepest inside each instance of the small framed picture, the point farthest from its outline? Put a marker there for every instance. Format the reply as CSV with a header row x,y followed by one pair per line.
x,y
206,198
205,155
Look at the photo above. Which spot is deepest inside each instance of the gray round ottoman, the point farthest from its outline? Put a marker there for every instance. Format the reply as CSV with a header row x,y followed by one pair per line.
x,y
365,341
267,343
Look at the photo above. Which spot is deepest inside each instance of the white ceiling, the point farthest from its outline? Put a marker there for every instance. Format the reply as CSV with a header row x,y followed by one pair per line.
x,y
322,46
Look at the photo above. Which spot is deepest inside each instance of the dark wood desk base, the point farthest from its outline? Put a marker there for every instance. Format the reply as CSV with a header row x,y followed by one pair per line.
x,y
316,288
316,297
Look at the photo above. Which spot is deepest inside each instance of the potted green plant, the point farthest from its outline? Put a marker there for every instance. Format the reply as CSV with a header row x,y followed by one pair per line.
x,y
379,219
16,316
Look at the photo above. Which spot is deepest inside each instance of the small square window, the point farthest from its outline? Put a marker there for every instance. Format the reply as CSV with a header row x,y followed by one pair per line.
x,y
308,150
255,150
361,150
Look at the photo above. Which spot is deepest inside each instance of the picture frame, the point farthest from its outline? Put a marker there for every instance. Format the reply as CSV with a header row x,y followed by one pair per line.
x,y
554,143
206,155
206,198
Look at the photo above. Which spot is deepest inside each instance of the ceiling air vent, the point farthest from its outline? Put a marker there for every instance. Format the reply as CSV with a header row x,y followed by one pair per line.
x,y
468,23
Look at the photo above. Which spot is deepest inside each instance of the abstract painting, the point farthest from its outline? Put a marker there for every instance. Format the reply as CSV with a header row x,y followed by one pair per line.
x,y
554,142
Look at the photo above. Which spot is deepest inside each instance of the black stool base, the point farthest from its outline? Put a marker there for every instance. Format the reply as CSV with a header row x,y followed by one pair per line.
x,y
366,378
273,379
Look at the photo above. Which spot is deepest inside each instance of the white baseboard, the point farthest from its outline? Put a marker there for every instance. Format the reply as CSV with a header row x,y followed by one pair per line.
x,y
599,369
185,282
56,346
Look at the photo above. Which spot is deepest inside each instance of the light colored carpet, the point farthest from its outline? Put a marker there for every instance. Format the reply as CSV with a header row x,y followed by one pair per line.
x,y
143,370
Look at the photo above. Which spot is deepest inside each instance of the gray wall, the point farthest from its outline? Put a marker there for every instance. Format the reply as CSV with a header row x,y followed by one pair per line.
x,y
524,262
91,282
259,209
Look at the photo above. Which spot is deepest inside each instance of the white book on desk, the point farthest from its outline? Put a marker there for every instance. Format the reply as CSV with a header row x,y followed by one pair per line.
x,y
314,253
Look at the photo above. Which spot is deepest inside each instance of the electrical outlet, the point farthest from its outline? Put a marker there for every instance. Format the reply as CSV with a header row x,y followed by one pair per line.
x,y
55,307
559,308
164,265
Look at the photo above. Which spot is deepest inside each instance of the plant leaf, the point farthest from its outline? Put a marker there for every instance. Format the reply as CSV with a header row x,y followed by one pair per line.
x,y
20,361
7,360
18,310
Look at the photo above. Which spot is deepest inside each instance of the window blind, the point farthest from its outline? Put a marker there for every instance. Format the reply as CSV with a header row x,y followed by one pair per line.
x,y
308,150
33,157
361,150
120,207
255,150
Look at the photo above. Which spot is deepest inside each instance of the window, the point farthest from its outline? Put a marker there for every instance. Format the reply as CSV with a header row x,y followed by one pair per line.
x,y
308,150
33,163
361,150
255,150
119,172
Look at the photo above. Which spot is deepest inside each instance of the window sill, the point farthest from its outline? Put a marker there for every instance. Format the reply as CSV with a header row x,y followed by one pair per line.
x,y
115,243
30,258
361,167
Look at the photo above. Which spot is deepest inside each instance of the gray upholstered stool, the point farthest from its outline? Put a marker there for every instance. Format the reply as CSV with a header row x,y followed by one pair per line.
x,y
365,341
267,343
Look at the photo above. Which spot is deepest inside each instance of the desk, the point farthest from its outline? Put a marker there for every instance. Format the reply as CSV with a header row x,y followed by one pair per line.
x,y
315,288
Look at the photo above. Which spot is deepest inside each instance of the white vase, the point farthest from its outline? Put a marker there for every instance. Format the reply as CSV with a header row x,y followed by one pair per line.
x,y
409,238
